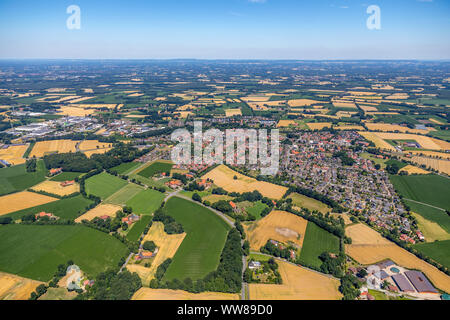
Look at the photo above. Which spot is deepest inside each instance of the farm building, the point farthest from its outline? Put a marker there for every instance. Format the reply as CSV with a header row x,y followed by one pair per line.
x,y
403,283
130,219
420,282
67,183
45,214
254,265
55,171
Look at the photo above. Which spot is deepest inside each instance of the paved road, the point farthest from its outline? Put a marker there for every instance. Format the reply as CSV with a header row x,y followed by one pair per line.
x,y
126,262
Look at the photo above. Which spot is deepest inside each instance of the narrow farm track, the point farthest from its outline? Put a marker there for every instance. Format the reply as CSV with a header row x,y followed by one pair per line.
x,y
425,204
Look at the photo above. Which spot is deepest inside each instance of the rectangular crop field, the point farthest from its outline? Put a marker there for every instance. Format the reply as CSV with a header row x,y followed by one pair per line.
x,y
156,168
66,176
317,241
146,201
431,214
438,251
223,177
69,208
104,185
17,178
430,189
126,167
137,229
36,251
199,253
124,194
22,200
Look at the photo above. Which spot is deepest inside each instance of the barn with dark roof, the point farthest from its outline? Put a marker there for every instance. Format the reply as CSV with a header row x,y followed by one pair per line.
x,y
420,282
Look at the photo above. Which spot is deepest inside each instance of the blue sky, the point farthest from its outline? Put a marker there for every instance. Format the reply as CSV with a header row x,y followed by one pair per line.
x,y
226,29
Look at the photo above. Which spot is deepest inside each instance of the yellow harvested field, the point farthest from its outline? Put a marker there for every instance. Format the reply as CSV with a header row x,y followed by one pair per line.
x,y
98,151
425,142
379,143
13,287
168,246
42,148
413,170
435,121
266,104
303,102
75,112
286,123
81,99
278,225
367,248
368,108
98,211
135,95
437,164
344,104
256,98
433,154
431,230
185,114
93,144
13,154
166,294
358,128
224,178
363,235
55,187
22,200
393,127
318,125
298,284
233,112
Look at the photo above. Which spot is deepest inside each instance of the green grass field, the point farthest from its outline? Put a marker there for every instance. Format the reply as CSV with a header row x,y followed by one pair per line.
x,y
437,251
137,229
308,203
432,214
126,167
199,253
316,242
66,176
155,168
69,208
35,251
17,178
104,185
146,201
431,189
124,194
256,209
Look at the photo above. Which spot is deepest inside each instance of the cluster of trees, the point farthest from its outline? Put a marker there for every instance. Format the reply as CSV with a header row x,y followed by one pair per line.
x,y
349,287
180,177
332,265
70,162
111,285
273,250
194,186
345,159
31,165
392,168
170,225
226,278
78,162
149,246
42,289
6,220
269,266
